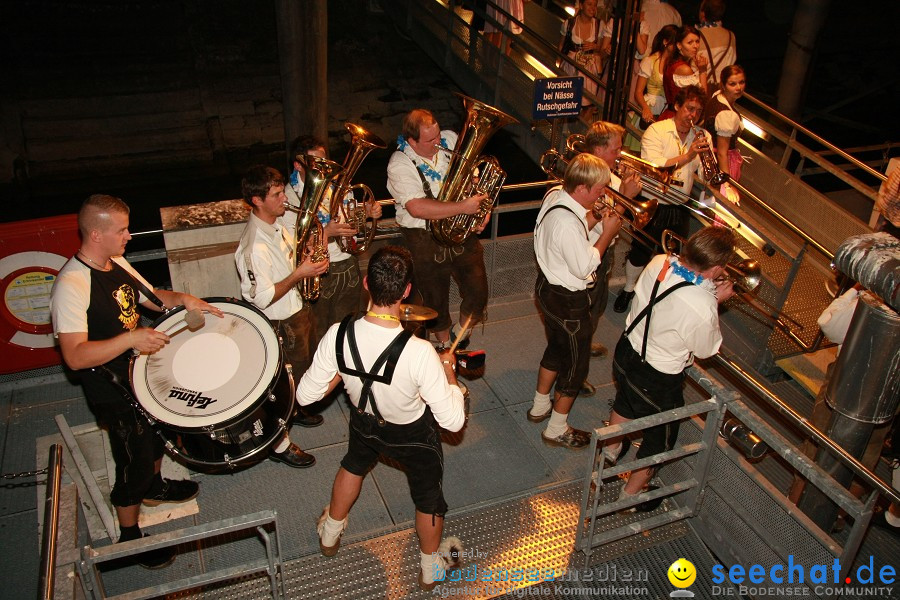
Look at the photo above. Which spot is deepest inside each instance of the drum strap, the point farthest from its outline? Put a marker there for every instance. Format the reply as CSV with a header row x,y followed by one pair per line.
x,y
388,358
145,290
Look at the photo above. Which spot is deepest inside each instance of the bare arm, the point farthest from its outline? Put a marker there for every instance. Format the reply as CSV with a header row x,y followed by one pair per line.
x,y
722,145
79,353
429,209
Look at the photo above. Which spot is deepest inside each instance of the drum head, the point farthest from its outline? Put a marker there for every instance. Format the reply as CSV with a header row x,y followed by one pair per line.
x,y
209,376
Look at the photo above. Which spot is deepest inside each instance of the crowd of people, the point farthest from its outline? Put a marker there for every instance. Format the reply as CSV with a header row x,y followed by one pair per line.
x,y
402,388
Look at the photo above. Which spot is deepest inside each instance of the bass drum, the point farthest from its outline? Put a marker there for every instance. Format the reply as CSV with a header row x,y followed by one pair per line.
x,y
220,395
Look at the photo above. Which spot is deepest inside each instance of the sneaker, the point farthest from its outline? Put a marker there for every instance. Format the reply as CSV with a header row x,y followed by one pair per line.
x,y
574,439
293,457
328,545
173,491
539,418
622,301
598,349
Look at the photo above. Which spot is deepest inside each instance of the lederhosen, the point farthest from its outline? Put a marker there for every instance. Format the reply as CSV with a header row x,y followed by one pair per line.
x,y
134,445
567,323
643,390
434,265
416,446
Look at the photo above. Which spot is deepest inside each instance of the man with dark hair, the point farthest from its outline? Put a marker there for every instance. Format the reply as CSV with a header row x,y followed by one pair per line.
x,y
716,41
401,391
94,309
568,243
269,278
340,290
675,143
677,298
415,175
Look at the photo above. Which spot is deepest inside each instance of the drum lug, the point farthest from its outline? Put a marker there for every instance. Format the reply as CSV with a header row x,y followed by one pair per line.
x,y
272,397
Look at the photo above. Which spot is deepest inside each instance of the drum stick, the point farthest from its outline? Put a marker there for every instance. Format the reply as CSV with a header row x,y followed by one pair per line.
x,y
461,336
193,320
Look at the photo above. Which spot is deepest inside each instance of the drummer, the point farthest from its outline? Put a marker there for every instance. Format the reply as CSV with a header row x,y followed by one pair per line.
x,y
94,310
269,278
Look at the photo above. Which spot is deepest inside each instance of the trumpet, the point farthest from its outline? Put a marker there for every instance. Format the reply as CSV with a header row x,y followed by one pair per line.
x,y
746,275
641,210
711,172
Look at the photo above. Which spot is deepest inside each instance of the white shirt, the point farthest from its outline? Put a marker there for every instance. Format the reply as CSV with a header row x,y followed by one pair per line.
x,y
418,380
404,183
264,257
661,142
684,325
656,16
564,253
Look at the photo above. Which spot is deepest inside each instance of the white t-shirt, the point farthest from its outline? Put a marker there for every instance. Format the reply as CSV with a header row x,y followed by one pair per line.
x,y
418,380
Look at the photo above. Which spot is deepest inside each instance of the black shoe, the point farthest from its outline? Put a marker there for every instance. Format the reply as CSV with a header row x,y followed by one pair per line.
x,y
649,505
622,301
306,420
539,418
156,559
174,491
463,343
293,457
574,439
598,349
587,389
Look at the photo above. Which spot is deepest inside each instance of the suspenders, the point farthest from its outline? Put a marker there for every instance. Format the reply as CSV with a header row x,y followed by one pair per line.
x,y
390,356
648,310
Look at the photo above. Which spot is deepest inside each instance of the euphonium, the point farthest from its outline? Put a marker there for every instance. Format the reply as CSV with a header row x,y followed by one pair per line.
x,y
711,172
470,174
355,211
317,251
318,174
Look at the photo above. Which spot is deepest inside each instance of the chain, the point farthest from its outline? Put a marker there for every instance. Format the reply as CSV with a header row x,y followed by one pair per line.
x,y
23,474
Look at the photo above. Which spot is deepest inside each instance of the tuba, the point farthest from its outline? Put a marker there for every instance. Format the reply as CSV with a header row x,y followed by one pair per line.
x,y
318,176
353,211
470,174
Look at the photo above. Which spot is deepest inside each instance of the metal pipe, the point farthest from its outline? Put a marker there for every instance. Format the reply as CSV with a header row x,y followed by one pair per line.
x,y
857,467
807,132
47,573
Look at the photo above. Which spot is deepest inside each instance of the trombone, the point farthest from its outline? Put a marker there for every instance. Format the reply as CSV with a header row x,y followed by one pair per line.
x,y
553,164
746,276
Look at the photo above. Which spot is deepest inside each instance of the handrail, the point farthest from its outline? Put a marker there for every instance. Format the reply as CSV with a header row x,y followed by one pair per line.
x,y
817,138
47,573
859,469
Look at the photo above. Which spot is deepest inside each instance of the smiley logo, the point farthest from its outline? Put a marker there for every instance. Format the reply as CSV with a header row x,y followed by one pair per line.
x,y
682,573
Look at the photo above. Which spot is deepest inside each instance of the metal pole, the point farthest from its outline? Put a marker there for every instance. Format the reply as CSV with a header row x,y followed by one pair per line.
x,y
863,391
51,524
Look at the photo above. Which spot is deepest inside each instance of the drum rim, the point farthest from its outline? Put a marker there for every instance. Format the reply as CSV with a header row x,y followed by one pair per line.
x,y
227,416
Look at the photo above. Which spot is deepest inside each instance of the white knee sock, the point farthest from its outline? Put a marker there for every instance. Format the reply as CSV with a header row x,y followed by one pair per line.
x,y
611,452
330,530
631,276
557,425
283,445
541,404
431,565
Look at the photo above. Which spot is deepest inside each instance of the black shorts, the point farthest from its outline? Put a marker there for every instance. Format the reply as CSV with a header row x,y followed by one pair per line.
x,y
567,323
643,391
415,446
134,444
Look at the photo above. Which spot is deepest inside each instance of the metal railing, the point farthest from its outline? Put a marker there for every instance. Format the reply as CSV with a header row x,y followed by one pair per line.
x,y
47,575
